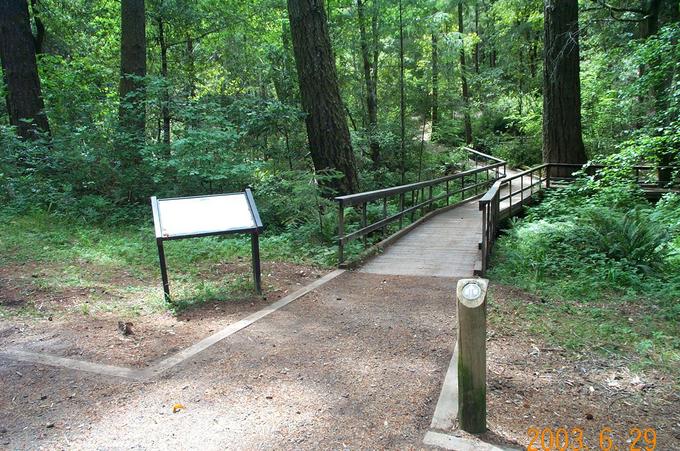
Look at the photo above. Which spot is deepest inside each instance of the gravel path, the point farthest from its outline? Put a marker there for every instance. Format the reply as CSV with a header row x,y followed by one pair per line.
x,y
357,363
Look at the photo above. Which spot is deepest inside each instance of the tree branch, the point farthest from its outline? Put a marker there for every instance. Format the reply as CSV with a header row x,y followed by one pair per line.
x,y
619,9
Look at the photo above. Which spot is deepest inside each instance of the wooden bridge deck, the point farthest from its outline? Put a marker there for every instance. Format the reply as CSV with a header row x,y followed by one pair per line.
x,y
447,245
444,246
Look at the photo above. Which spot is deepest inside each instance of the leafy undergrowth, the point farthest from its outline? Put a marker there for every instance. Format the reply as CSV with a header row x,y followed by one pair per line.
x,y
605,268
120,263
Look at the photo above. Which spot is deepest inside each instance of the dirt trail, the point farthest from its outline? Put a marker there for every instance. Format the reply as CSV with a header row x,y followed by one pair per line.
x,y
356,363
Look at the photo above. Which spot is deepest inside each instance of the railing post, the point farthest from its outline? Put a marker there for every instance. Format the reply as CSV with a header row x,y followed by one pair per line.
x,y
547,176
448,193
485,235
364,221
384,230
401,210
471,306
430,204
341,232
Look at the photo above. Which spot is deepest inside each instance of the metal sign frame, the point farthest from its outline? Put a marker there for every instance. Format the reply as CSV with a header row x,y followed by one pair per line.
x,y
253,231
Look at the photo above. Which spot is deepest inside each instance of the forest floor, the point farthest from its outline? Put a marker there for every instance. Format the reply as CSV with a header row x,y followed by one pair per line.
x,y
40,314
356,363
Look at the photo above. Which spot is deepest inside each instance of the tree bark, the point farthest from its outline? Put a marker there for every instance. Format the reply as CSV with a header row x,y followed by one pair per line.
x,y
165,91
39,37
476,51
25,106
191,68
435,80
369,79
649,27
562,138
132,111
284,80
327,130
463,80
402,99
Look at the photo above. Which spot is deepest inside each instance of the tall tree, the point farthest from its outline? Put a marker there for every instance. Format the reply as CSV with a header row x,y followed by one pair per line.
x,y
562,138
463,79
327,130
435,79
402,96
132,112
39,26
25,106
370,75
165,88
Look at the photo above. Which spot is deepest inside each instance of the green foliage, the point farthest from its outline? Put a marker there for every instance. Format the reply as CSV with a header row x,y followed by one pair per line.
x,y
74,246
598,241
449,132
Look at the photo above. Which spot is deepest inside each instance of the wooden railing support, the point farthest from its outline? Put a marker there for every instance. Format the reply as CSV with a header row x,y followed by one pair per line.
x,y
341,232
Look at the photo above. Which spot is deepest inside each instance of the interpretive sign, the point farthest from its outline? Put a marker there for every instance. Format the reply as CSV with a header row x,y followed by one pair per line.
x,y
196,216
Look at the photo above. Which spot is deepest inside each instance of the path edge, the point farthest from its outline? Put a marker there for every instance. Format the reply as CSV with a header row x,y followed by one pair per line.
x,y
175,359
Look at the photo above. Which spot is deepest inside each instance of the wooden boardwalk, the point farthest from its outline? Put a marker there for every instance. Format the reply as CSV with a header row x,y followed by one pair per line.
x,y
444,246
447,245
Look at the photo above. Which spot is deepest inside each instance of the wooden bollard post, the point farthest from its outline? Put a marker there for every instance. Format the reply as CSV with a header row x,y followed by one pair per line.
x,y
471,294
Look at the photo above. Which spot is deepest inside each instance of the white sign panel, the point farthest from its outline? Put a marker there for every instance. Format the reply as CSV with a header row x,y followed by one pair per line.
x,y
204,215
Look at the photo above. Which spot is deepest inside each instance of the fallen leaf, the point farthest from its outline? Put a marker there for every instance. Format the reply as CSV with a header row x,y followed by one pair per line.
x,y
177,407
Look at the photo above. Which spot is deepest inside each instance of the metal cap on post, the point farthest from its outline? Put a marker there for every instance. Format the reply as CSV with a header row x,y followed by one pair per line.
x,y
471,306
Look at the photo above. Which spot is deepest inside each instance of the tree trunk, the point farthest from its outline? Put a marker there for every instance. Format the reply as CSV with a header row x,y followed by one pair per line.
x,y
463,79
371,89
562,139
649,26
476,51
39,38
25,106
165,91
660,87
533,56
402,100
284,80
327,130
132,112
435,80
191,68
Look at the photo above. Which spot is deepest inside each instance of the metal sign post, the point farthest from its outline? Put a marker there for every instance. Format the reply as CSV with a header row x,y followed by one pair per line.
x,y
471,294
198,216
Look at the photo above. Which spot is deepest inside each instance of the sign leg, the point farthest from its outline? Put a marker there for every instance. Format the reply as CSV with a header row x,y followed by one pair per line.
x,y
255,242
164,269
